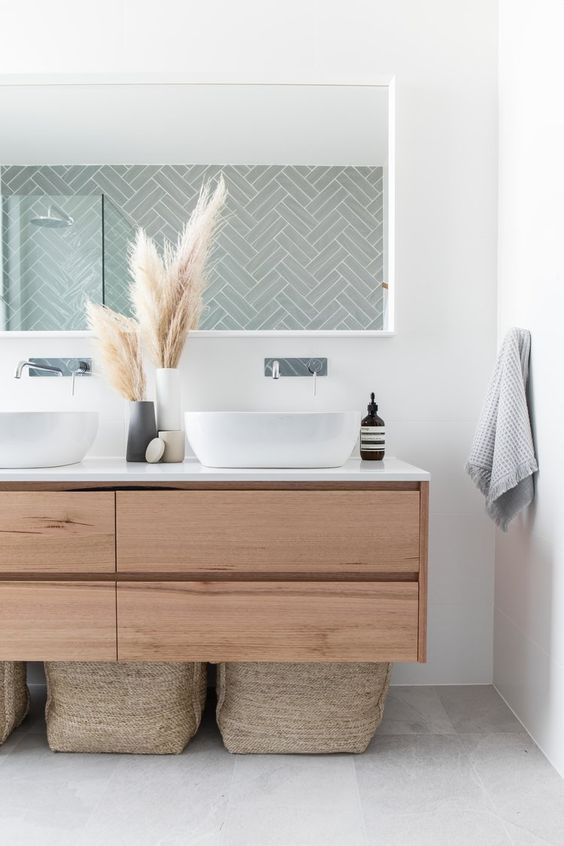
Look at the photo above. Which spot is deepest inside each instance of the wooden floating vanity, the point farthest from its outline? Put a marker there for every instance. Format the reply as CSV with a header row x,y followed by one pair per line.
x,y
105,560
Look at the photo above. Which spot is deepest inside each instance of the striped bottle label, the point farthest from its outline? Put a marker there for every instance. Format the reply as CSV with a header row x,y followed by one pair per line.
x,y
373,438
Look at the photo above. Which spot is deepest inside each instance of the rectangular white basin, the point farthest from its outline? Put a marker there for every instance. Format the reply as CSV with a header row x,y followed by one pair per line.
x,y
272,438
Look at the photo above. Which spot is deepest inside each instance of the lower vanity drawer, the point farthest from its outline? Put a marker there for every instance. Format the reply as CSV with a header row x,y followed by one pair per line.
x,y
57,621
267,621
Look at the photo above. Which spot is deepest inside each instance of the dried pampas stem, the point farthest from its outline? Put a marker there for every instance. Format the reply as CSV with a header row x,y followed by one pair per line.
x,y
119,345
167,292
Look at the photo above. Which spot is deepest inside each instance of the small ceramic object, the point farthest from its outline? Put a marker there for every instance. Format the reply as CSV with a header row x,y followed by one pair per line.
x,y
174,442
142,429
154,451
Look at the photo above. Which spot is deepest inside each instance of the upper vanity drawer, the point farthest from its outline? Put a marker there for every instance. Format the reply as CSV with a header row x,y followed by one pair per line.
x,y
268,531
59,532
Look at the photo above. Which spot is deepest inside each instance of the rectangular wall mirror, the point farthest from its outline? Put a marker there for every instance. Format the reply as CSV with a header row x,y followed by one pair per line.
x,y
306,241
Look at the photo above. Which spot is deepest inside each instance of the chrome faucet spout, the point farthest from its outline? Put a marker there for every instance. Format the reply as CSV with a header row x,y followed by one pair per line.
x,y
276,370
46,368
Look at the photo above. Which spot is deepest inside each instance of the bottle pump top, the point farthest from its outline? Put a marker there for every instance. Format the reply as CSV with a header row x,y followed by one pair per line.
x,y
372,406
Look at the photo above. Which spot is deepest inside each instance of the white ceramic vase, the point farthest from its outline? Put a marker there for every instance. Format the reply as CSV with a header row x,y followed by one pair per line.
x,y
169,399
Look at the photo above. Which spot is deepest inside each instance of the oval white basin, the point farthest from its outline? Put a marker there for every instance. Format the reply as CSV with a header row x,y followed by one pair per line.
x,y
45,438
272,438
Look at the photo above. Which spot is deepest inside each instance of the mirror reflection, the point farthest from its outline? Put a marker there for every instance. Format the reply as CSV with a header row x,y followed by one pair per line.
x,y
303,244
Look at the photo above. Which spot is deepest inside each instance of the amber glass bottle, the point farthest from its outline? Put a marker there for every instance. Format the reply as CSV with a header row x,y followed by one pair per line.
x,y
372,434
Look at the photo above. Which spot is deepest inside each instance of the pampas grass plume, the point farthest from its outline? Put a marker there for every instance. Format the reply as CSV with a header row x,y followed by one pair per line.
x,y
166,291
119,345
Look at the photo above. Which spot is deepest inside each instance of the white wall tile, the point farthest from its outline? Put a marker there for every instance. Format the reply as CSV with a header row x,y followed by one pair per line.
x,y
461,559
459,647
529,627
532,683
443,447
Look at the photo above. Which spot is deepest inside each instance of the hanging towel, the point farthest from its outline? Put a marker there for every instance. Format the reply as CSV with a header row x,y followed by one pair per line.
x,y
502,459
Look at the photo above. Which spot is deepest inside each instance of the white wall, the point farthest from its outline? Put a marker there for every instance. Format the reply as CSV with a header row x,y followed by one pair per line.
x,y
529,615
430,378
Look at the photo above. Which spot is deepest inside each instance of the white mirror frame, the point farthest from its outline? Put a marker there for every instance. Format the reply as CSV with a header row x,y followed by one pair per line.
x,y
388,82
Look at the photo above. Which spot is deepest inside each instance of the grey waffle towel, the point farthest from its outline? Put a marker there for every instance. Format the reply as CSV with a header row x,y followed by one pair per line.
x,y
502,459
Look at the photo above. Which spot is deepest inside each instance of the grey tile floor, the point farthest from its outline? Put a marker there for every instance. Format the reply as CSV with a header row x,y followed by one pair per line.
x,y
449,766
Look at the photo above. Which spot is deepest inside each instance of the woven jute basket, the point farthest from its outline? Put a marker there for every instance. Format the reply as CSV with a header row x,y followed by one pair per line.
x,y
149,709
300,708
14,697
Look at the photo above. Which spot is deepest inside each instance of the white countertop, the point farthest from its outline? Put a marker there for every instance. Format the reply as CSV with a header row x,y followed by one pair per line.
x,y
115,470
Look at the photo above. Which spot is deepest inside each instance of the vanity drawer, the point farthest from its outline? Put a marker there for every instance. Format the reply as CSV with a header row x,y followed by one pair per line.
x,y
57,621
267,621
57,532
268,531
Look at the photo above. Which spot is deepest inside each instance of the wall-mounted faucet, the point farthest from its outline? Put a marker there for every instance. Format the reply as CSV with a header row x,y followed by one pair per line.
x,y
72,367
283,367
44,368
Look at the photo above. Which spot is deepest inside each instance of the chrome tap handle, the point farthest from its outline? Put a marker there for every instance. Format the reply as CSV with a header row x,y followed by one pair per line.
x,y
314,366
82,370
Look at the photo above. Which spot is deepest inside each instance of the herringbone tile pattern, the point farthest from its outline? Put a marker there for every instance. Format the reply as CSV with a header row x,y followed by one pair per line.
x,y
300,247
50,271
118,233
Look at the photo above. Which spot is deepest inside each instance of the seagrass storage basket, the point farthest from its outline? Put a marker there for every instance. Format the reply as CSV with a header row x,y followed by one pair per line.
x,y
14,697
140,708
300,708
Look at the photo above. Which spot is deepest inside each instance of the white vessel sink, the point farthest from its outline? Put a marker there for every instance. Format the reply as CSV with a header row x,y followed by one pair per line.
x,y
272,438
45,438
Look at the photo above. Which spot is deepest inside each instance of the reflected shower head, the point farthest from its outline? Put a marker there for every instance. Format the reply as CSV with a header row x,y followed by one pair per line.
x,y
54,219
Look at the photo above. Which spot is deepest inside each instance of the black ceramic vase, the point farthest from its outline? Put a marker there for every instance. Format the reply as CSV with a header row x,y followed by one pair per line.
x,y
142,429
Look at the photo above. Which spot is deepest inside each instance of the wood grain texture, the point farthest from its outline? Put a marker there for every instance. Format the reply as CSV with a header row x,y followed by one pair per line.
x,y
57,621
156,484
423,571
282,531
267,621
57,532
